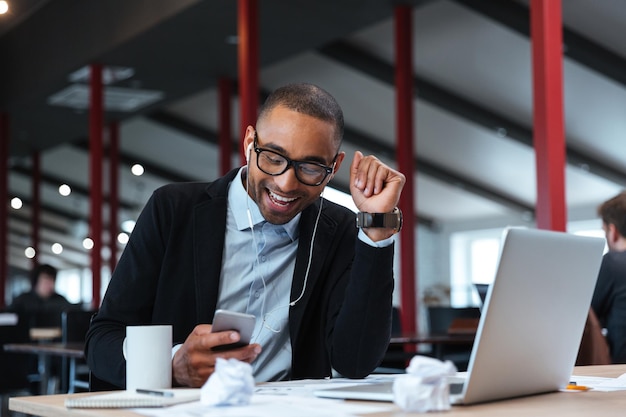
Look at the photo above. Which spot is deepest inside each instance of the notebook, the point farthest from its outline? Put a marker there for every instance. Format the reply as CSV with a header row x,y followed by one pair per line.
x,y
132,399
531,323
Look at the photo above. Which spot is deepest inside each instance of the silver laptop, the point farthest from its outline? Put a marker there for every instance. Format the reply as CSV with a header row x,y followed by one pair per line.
x,y
531,323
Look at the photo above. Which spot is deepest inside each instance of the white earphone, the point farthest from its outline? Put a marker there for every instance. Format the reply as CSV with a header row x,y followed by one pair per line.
x,y
248,152
332,174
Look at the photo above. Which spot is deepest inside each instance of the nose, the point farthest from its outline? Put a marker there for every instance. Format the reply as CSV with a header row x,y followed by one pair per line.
x,y
287,181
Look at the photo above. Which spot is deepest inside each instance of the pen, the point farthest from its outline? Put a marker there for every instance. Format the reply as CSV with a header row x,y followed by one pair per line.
x,y
154,392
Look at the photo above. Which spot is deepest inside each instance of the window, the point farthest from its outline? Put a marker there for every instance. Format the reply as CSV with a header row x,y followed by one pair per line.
x,y
474,258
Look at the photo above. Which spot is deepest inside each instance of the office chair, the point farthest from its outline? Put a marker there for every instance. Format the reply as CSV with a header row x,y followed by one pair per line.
x,y
74,326
439,320
14,367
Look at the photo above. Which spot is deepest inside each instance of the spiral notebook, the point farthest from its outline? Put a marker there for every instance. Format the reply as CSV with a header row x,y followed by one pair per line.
x,y
132,399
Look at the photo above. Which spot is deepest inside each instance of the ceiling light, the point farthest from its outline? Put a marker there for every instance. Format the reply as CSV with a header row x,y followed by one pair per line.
x,y
121,99
122,238
137,170
57,248
65,190
128,226
110,75
16,203
30,252
4,7
87,243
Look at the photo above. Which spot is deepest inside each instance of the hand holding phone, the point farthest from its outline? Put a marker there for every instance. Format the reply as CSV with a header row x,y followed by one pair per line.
x,y
230,320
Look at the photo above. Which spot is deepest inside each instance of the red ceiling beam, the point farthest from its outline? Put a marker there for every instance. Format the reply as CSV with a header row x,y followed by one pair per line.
x,y
404,155
549,136
96,153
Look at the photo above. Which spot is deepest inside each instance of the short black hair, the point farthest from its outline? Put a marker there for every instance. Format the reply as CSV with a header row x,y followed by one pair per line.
x,y
42,269
307,99
613,211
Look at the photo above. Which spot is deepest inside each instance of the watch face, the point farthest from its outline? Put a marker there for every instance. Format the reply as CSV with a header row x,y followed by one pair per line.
x,y
385,220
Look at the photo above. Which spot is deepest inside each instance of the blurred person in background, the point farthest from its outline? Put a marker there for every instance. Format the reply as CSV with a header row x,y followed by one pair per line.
x,y
42,297
609,298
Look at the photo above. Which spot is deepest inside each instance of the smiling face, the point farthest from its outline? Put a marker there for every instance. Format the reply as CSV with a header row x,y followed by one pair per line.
x,y
301,138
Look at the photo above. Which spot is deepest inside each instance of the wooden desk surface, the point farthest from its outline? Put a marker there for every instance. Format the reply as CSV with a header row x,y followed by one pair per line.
x,y
558,403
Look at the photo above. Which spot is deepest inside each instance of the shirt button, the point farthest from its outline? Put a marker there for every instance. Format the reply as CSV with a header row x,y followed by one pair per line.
x,y
257,294
263,258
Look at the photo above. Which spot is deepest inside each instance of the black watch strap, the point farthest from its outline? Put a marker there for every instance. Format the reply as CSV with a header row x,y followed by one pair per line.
x,y
391,220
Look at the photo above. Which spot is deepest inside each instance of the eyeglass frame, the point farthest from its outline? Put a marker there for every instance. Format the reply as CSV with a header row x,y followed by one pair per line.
x,y
292,162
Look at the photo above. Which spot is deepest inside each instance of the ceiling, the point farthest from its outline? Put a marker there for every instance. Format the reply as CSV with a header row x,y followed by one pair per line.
x,y
473,99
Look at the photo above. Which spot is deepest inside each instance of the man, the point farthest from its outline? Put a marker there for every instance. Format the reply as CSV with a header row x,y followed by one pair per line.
x,y
42,297
261,240
609,298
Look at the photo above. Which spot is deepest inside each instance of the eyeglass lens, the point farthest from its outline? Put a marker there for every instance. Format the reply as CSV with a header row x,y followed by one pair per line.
x,y
275,164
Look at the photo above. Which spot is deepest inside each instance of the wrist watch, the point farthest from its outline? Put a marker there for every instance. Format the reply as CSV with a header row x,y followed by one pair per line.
x,y
391,220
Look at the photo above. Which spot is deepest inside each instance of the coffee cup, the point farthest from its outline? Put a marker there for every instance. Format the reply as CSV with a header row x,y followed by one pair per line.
x,y
148,353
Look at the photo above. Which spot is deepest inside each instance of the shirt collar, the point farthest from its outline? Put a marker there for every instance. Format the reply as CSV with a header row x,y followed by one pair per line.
x,y
239,201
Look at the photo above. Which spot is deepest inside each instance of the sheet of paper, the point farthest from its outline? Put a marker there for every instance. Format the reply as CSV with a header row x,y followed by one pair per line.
x,y
283,399
600,383
272,406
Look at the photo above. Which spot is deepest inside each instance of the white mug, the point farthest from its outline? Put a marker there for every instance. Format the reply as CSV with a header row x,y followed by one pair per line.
x,y
148,353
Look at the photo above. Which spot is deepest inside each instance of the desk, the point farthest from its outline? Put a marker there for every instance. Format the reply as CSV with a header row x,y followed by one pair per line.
x,y
557,403
44,351
441,339
45,333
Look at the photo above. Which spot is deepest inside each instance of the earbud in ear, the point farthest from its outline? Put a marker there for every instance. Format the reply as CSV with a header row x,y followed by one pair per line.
x,y
332,174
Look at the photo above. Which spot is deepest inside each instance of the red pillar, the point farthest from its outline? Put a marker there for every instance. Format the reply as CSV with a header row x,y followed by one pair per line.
x,y
114,198
4,205
36,207
248,50
96,106
549,137
406,164
225,88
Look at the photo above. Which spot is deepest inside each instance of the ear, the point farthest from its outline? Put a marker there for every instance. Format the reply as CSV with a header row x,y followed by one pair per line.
x,y
248,143
612,234
336,165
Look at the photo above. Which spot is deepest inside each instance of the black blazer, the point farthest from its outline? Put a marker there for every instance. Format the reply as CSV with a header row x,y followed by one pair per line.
x,y
169,274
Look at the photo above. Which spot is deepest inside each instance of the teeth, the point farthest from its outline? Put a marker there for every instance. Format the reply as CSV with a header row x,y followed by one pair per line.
x,y
281,199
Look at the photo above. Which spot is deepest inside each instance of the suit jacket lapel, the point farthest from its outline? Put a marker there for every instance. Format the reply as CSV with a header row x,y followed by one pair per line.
x,y
208,235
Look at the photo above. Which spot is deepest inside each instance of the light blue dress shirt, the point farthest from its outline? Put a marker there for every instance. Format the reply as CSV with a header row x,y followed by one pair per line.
x,y
257,271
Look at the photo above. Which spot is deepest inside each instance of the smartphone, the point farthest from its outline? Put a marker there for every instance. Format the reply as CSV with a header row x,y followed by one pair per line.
x,y
231,320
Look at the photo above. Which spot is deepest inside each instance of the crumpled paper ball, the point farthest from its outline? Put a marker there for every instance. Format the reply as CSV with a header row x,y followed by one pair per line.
x,y
232,383
424,387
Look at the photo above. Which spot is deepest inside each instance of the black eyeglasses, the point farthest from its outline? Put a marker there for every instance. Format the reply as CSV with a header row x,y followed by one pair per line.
x,y
273,163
